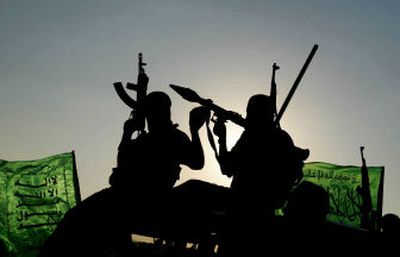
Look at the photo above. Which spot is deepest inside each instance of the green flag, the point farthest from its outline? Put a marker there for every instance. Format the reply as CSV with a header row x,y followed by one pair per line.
x,y
342,183
34,196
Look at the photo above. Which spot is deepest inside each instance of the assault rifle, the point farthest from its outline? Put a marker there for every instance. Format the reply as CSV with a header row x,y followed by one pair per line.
x,y
141,90
365,192
272,93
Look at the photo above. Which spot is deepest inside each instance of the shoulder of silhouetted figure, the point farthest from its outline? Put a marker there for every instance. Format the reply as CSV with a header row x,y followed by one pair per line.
x,y
350,239
389,236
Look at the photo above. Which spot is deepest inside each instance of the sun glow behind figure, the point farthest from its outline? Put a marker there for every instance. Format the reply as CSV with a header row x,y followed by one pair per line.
x,y
233,94
211,171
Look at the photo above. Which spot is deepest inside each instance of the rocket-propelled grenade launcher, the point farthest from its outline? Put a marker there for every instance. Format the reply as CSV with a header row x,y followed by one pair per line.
x,y
191,96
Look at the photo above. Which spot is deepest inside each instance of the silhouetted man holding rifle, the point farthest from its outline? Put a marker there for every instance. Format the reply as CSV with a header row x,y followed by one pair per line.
x,y
264,165
140,198
150,163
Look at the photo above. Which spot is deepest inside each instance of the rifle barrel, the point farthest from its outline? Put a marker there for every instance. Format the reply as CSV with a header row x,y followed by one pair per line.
x,y
296,83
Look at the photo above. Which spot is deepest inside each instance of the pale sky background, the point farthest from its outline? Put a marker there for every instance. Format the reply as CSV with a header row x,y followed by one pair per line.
x,y
58,60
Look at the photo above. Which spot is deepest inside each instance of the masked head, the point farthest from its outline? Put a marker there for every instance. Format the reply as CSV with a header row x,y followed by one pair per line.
x,y
260,112
308,203
157,108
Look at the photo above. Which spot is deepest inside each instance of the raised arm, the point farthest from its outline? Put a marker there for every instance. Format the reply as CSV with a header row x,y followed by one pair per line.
x,y
194,154
223,157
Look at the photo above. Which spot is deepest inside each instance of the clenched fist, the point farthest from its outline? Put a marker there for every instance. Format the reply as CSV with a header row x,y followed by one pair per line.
x,y
198,116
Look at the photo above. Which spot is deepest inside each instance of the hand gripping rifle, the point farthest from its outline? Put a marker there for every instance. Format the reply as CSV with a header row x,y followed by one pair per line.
x,y
222,114
141,90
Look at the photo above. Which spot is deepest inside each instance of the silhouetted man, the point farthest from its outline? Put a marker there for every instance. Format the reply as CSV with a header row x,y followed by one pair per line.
x,y
264,165
390,235
141,185
151,162
304,221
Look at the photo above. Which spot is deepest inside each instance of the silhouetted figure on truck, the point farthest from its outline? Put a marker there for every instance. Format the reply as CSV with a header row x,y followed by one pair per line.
x,y
149,166
264,165
305,229
141,186
151,162
304,221
390,234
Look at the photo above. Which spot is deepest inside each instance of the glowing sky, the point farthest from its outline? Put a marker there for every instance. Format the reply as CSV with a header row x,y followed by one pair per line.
x,y
58,60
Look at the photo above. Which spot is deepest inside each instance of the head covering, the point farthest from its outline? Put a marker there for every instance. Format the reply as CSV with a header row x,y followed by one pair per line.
x,y
260,111
157,109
